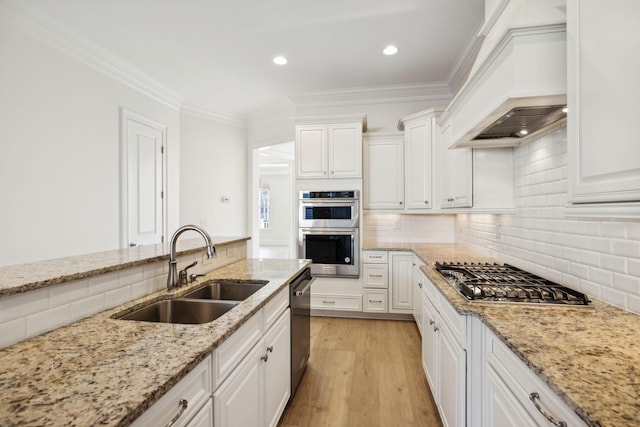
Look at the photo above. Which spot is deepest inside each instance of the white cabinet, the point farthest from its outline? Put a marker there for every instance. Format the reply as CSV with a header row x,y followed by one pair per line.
x,y
258,389
419,136
375,300
515,393
455,172
418,282
603,126
184,401
383,181
329,147
444,357
336,294
375,280
401,282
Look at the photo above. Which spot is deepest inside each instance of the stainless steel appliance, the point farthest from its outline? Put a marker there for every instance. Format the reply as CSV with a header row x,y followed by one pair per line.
x,y
506,284
329,209
300,288
328,233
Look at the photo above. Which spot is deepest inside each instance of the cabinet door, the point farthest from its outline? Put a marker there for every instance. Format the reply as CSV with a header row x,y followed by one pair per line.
x,y
502,408
430,344
277,369
455,164
603,126
237,403
452,379
418,283
311,152
401,283
384,178
204,417
345,151
418,160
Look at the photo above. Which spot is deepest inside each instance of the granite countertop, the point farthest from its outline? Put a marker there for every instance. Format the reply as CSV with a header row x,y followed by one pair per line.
x,y
589,356
19,278
98,371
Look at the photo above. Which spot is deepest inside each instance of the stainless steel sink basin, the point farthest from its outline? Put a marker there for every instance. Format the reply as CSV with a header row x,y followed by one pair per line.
x,y
181,311
226,290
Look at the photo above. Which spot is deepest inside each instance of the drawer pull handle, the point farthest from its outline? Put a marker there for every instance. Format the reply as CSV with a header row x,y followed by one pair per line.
x,y
375,300
375,256
265,357
431,321
270,349
375,275
328,302
534,397
420,285
183,406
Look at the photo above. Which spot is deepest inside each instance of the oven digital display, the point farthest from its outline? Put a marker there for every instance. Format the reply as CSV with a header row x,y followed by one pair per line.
x,y
327,212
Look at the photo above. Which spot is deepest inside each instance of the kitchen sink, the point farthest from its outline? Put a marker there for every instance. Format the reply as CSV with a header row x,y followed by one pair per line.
x,y
226,290
181,311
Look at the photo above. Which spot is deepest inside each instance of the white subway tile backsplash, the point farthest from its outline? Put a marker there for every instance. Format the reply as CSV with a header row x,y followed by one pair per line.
x,y
20,305
614,263
103,283
117,297
69,292
86,307
626,248
584,254
628,284
48,320
13,331
130,275
140,289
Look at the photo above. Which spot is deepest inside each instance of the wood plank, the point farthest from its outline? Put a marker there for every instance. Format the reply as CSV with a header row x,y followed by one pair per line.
x,y
362,373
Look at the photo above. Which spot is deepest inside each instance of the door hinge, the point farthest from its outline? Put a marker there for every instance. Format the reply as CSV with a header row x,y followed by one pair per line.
x,y
162,149
162,194
161,239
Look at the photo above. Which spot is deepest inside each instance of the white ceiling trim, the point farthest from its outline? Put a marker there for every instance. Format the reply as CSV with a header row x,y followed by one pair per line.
x,y
76,46
192,109
375,95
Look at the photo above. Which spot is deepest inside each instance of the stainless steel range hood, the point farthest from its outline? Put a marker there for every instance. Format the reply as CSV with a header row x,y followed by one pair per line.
x,y
517,87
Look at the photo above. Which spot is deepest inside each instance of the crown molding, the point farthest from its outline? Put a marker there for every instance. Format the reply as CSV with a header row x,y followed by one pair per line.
x,y
375,95
192,109
73,44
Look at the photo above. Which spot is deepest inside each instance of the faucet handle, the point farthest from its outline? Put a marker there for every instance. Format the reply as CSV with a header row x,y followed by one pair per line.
x,y
182,275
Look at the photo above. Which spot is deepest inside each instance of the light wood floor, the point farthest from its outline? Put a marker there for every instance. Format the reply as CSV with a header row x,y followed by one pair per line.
x,y
362,373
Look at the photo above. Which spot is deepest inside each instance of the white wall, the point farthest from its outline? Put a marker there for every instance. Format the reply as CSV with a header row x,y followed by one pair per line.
x,y
60,163
213,160
383,228
598,257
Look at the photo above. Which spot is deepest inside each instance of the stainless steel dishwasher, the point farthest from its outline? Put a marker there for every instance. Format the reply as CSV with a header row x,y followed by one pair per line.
x,y
300,288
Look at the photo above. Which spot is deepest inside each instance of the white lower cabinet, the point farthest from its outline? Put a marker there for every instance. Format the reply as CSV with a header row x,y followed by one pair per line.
x,y
257,391
183,402
401,282
204,417
515,396
417,284
444,357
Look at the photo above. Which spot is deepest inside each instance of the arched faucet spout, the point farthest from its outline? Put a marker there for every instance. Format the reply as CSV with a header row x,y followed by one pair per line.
x,y
172,279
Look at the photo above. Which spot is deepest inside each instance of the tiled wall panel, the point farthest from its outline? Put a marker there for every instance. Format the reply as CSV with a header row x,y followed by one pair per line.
x,y
599,257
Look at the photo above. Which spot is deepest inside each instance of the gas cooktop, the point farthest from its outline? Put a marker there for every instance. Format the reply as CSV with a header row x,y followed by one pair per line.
x,y
506,283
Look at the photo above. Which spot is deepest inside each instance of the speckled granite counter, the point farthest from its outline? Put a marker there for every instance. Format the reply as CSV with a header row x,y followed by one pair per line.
x,y
35,275
589,356
102,371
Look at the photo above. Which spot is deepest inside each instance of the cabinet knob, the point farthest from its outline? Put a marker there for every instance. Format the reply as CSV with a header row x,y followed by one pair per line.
x,y
400,202
420,285
426,202
431,321
435,329
270,349
265,357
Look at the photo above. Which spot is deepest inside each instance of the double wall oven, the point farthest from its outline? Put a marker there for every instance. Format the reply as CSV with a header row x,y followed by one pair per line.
x,y
329,233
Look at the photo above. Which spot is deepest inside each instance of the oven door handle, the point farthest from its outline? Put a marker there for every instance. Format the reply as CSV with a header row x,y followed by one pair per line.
x,y
305,289
339,231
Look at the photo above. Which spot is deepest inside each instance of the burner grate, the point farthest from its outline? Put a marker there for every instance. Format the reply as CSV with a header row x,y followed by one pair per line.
x,y
506,283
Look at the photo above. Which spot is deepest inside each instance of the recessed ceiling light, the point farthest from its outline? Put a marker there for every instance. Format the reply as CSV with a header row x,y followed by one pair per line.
x,y
390,50
280,60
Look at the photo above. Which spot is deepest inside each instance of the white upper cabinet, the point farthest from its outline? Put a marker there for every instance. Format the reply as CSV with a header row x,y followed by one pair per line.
x,y
603,88
329,147
419,136
455,166
383,183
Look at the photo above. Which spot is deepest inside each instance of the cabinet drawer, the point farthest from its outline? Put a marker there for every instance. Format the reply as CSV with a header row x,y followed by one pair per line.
x,y
454,320
374,257
274,308
195,388
522,382
375,301
375,275
230,353
336,302
430,289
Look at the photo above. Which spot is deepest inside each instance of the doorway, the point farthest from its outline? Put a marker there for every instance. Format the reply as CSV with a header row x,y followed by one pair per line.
x,y
143,211
275,203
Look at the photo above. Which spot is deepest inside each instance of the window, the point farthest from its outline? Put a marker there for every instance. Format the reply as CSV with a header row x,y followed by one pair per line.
x,y
264,208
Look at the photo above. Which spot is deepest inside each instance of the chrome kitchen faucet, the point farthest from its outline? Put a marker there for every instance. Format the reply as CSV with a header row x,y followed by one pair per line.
x,y
172,281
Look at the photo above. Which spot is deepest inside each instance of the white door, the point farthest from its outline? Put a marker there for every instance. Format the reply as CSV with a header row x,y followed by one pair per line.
x,y
143,180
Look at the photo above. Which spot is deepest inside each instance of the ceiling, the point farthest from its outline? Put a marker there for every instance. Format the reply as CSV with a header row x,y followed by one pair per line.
x,y
217,54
